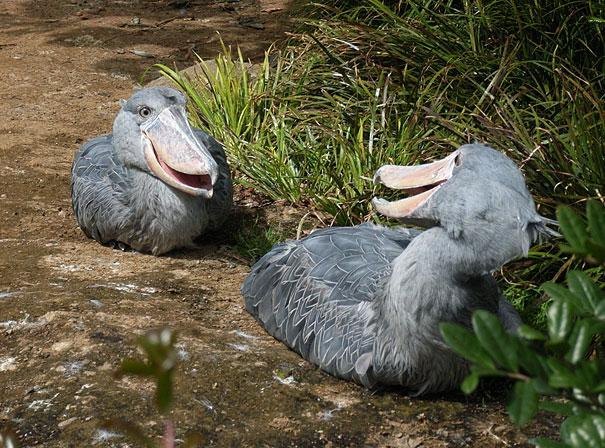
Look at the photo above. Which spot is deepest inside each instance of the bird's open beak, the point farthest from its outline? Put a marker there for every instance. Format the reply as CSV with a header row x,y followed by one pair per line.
x,y
420,181
176,156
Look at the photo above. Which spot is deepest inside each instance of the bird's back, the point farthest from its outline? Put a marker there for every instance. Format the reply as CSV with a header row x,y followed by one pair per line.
x,y
316,294
98,180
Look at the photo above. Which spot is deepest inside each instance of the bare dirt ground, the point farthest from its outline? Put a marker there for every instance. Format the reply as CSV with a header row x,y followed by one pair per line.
x,y
71,309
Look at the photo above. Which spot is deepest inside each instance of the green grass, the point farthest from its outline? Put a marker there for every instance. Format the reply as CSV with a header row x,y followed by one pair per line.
x,y
257,239
369,83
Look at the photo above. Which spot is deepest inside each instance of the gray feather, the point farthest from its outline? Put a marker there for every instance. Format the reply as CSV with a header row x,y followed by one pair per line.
x,y
365,303
116,198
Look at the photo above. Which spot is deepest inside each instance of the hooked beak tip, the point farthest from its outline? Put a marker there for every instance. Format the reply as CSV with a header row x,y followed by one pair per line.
x,y
380,205
379,202
376,179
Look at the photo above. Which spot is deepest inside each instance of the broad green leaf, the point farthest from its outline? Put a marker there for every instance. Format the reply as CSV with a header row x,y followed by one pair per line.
x,y
542,387
524,403
588,373
465,343
573,228
584,431
527,332
562,294
492,337
560,321
599,311
561,376
583,287
532,362
541,442
152,350
596,250
595,213
158,346
562,408
470,383
579,341
581,338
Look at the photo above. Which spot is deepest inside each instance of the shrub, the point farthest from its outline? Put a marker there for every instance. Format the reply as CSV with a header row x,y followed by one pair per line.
x,y
394,82
562,371
161,354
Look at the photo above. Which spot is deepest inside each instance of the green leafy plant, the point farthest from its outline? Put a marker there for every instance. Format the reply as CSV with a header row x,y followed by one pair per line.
x,y
369,83
161,354
362,84
562,370
256,240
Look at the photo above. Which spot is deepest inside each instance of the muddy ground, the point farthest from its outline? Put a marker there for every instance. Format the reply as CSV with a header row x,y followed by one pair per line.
x,y
71,309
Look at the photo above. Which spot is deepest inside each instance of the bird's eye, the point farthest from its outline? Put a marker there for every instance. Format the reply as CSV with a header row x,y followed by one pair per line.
x,y
144,112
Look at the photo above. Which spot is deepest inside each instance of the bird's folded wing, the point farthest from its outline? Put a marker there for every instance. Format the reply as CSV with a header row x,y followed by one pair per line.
x,y
98,180
316,294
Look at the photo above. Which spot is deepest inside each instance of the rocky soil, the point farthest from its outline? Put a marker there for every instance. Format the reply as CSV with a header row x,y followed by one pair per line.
x,y
71,309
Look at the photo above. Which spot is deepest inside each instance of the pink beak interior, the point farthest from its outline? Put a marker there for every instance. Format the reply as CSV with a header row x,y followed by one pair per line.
x,y
421,181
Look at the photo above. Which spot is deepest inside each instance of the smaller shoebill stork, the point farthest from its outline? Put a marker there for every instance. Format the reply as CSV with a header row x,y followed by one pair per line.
x,y
154,184
364,303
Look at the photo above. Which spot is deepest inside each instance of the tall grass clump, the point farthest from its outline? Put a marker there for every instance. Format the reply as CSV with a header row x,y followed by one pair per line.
x,y
368,83
373,82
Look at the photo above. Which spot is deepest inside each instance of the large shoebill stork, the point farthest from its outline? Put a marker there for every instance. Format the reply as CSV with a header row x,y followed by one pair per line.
x,y
154,183
364,303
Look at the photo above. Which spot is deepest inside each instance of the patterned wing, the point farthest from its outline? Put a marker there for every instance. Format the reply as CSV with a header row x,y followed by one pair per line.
x,y
98,183
315,294
222,199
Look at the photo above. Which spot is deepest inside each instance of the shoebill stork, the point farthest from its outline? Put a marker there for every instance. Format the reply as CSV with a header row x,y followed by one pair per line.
x,y
364,303
154,183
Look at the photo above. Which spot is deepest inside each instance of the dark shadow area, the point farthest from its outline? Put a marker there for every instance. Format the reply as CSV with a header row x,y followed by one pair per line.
x,y
142,33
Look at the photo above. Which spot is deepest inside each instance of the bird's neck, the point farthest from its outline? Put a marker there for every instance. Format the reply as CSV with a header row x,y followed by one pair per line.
x,y
430,278
153,200
432,281
148,190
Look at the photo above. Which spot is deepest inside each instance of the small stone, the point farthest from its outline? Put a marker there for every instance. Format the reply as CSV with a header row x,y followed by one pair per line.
x,y
67,422
106,366
142,53
96,303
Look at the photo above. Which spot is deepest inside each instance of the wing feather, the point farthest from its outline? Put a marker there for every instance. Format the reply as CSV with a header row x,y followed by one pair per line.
x,y
97,185
316,294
